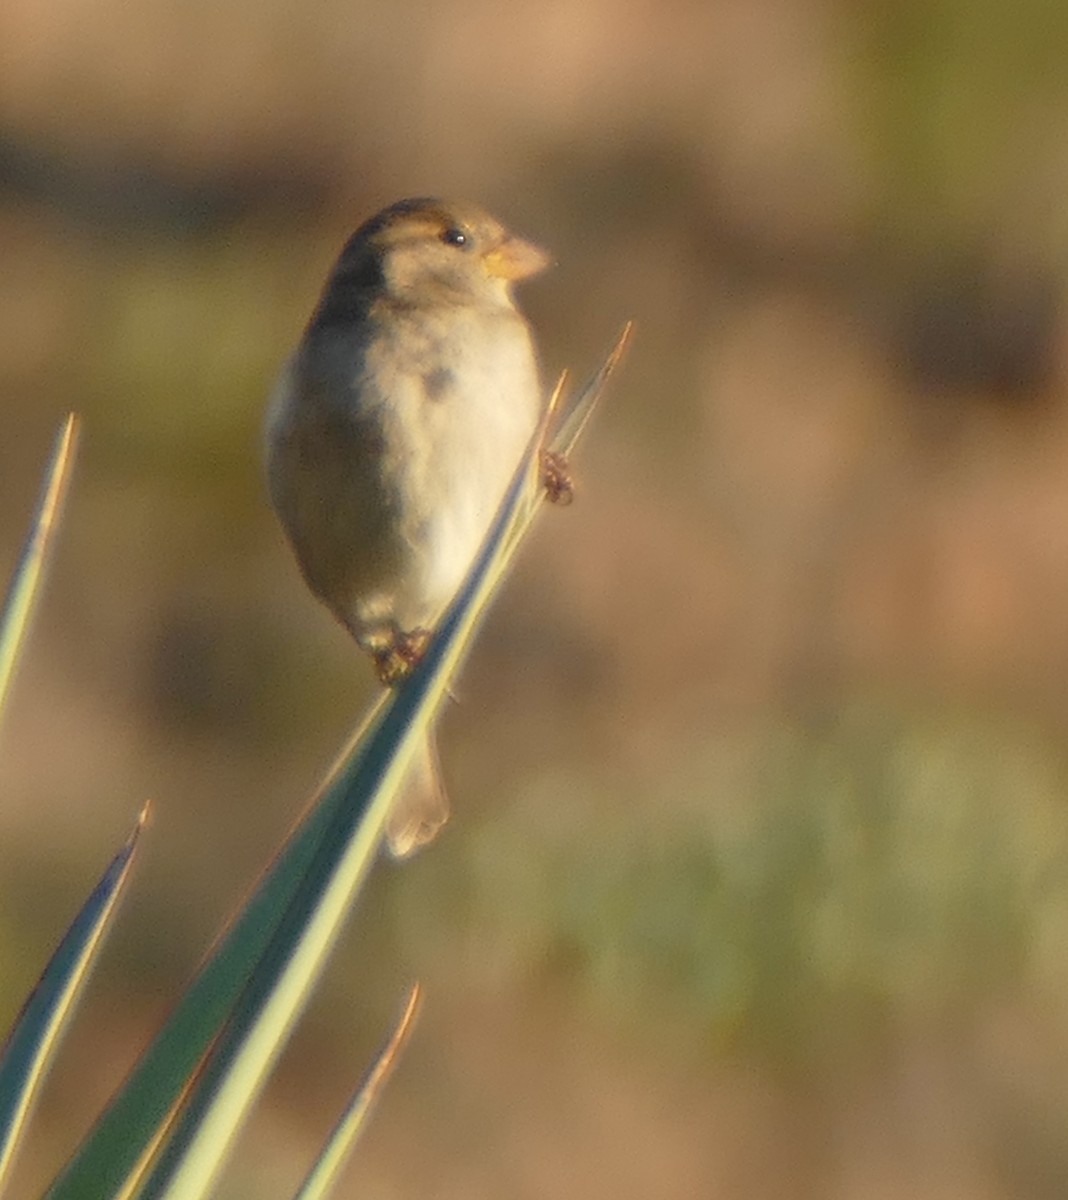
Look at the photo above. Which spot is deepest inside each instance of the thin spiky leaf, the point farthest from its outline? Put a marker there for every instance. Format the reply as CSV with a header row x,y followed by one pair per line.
x,y
21,598
30,1047
115,1155
283,980
117,1151
338,1147
573,421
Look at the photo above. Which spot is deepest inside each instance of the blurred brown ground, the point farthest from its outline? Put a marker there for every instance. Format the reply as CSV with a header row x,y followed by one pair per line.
x,y
757,882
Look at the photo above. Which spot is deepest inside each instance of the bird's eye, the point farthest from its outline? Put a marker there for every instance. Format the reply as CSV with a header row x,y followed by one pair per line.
x,y
454,237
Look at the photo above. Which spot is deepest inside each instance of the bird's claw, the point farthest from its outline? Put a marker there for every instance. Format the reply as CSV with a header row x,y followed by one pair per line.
x,y
556,478
395,661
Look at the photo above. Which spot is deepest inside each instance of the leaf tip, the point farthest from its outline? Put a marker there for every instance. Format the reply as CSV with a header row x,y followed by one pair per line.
x,y
144,820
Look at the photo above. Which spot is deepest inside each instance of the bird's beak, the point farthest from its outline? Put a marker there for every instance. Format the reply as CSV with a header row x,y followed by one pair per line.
x,y
516,259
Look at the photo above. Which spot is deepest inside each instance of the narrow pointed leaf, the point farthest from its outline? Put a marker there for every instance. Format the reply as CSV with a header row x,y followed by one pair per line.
x,y
343,1137
112,1158
573,422
282,982
28,1052
114,1154
25,583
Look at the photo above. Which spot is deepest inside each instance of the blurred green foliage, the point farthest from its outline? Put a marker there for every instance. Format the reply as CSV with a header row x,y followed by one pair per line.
x,y
887,868
957,99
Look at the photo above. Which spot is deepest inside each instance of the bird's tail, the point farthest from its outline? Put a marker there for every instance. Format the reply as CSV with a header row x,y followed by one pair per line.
x,y
422,806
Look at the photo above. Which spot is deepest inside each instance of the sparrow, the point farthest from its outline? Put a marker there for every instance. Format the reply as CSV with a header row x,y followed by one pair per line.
x,y
394,430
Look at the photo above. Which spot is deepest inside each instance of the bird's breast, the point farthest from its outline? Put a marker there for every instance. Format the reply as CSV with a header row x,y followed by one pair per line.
x,y
460,399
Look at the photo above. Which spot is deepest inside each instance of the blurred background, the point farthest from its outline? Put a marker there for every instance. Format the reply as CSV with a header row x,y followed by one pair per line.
x,y
757,884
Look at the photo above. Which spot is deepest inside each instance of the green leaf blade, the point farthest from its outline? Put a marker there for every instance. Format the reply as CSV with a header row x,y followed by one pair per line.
x,y
28,1052
113,1154
21,599
281,984
348,815
339,1146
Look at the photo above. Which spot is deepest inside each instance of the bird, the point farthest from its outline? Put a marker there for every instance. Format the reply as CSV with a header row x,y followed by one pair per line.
x,y
394,430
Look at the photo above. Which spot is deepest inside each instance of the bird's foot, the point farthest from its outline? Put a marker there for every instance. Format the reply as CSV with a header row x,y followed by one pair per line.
x,y
556,478
395,661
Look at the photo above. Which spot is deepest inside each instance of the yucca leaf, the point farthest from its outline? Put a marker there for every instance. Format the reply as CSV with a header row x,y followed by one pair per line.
x,y
115,1153
112,1159
26,581
343,1137
28,1052
282,982
573,421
